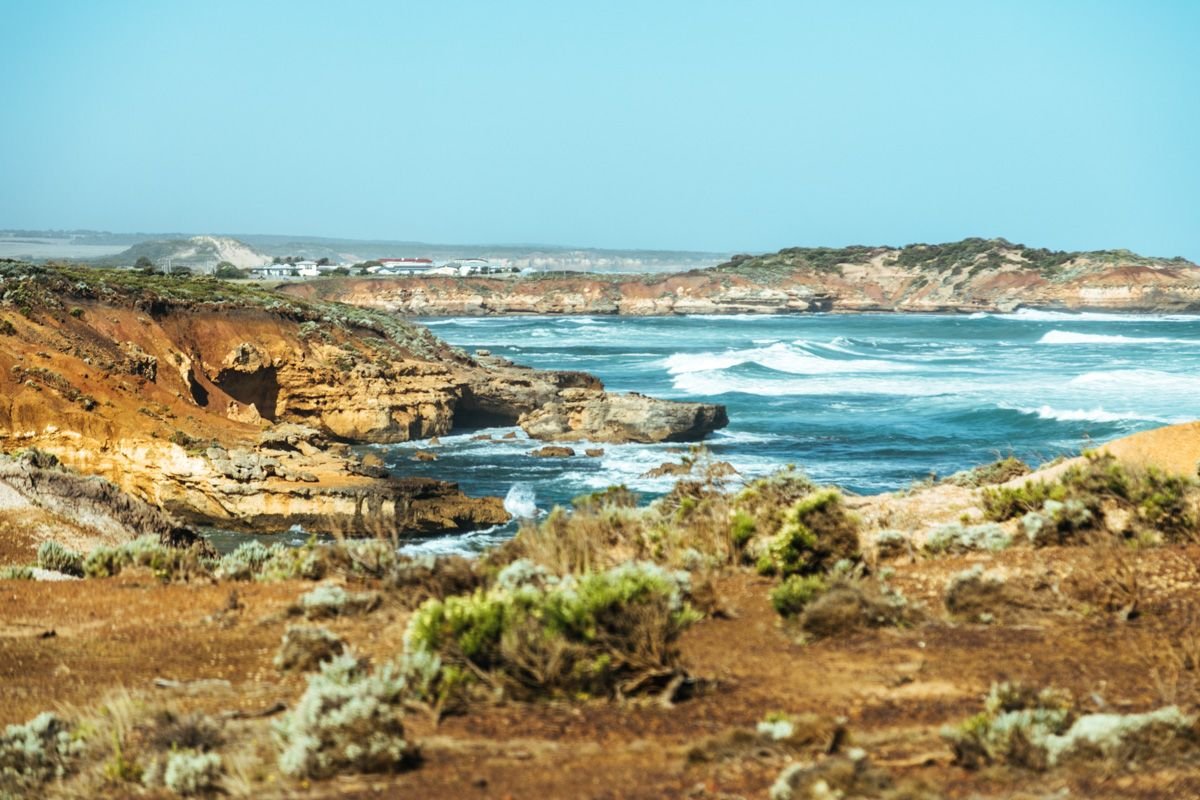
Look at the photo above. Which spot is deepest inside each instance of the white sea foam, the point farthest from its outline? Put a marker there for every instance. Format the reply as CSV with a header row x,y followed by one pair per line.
x,y
1126,381
716,382
1038,315
521,501
1075,337
1097,414
779,357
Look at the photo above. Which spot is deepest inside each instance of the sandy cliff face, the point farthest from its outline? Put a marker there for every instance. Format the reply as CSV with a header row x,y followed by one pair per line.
x,y
973,275
235,407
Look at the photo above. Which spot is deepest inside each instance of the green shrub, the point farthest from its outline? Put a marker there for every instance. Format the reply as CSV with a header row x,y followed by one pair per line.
x,y
1158,504
53,556
347,720
1007,502
16,573
816,533
598,633
797,591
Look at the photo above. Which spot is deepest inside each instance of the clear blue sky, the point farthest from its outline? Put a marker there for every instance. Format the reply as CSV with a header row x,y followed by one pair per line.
x,y
691,125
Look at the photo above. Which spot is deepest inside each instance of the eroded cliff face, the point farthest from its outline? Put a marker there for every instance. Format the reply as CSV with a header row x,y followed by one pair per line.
x,y
973,275
236,407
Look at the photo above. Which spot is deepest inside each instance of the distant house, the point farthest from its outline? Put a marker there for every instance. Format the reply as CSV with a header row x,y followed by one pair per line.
x,y
274,271
307,269
405,266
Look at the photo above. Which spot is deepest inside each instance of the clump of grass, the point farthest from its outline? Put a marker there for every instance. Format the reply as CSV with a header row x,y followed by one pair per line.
x,y
816,532
53,556
347,720
16,573
599,633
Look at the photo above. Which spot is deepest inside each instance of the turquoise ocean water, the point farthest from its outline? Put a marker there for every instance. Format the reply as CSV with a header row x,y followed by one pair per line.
x,y
871,402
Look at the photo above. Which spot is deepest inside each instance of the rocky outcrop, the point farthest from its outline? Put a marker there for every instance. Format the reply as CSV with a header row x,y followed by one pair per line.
x,y
580,414
231,406
81,509
968,276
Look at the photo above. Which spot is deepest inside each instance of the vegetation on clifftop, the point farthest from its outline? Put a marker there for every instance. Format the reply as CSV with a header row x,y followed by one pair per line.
x,y
971,255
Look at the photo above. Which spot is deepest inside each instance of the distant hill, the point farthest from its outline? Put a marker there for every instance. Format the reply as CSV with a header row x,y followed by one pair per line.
x,y
202,252
968,257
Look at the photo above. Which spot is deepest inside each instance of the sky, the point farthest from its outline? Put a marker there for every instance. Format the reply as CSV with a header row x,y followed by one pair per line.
x,y
737,126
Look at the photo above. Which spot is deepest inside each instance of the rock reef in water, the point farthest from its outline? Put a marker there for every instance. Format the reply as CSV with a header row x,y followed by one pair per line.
x,y
234,406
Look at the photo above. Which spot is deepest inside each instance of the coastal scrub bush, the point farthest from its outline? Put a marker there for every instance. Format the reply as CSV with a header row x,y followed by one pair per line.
x,y
759,508
246,561
189,772
1000,471
976,594
598,633
843,775
816,532
853,603
956,538
309,561
167,563
328,600
1133,502
795,592
1040,729
347,720
35,752
53,556
303,648
892,543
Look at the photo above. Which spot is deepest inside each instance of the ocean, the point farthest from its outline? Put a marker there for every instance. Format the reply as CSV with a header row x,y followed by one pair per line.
x,y
870,402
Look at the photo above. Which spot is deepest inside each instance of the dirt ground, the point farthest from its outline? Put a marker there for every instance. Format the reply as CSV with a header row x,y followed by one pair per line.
x,y
72,645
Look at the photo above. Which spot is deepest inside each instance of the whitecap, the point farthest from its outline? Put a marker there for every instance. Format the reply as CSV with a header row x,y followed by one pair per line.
x,y
1074,337
521,501
779,357
1097,414
1038,315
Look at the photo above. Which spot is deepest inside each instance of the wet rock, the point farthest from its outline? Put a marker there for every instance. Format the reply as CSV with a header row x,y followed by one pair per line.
x,y
594,452
552,451
424,455
581,414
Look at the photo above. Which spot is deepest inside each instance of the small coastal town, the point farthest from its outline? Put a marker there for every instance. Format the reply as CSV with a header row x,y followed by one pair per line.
x,y
286,268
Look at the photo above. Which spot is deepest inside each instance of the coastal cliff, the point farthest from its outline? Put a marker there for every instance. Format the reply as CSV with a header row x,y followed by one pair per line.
x,y
233,406
973,275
